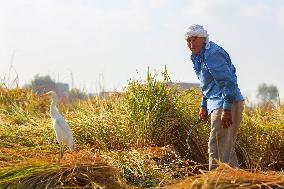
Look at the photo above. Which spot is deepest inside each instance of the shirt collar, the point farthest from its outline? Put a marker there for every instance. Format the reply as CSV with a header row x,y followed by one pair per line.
x,y
207,45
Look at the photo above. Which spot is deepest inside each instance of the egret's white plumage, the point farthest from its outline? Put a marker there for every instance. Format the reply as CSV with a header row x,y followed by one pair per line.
x,y
62,130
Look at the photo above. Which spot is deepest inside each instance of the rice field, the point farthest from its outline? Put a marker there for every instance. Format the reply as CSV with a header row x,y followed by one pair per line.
x,y
135,139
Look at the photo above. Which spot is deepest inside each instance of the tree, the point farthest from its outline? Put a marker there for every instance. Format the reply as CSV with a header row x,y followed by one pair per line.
x,y
267,93
41,84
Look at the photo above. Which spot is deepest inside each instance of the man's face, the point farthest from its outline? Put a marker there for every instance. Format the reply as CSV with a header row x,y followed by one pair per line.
x,y
195,44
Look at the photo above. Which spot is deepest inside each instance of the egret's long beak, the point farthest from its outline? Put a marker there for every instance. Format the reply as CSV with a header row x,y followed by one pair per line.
x,y
43,95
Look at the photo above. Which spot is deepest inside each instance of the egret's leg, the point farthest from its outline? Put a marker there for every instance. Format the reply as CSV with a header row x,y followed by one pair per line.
x,y
60,155
61,151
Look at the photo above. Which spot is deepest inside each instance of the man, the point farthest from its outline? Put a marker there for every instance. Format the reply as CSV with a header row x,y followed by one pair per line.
x,y
221,95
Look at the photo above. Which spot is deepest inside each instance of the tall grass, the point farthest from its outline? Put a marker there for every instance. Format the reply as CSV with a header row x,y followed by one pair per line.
x,y
262,137
146,114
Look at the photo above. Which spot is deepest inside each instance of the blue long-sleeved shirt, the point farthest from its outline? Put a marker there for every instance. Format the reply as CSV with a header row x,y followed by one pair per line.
x,y
217,75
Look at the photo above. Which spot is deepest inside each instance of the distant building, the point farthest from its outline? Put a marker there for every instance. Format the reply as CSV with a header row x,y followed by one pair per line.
x,y
183,85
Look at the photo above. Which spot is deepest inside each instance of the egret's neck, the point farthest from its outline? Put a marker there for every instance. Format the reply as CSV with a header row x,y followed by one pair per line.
x,y
53,108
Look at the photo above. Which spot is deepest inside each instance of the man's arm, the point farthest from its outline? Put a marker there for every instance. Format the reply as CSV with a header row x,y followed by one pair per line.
x,y
204,102
203,113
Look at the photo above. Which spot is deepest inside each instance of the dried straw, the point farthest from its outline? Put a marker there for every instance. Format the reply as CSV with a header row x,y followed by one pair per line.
x,y
227,177
81,176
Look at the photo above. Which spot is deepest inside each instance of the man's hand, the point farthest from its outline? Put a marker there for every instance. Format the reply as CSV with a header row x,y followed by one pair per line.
x,y
203,114
226,119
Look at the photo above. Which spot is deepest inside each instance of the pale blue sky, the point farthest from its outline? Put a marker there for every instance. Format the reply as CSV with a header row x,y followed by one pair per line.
x,y
118,38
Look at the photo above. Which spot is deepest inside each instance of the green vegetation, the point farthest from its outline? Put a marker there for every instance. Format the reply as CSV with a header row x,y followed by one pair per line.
x,y
140,133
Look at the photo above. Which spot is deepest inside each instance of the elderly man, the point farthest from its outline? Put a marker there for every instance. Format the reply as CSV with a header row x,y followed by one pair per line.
x,y
221,95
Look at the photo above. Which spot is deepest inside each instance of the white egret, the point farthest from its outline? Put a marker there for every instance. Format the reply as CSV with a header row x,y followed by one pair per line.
x,y
62,130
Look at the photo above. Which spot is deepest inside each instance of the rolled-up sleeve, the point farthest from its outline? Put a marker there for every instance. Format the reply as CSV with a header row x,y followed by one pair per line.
x,y
220,70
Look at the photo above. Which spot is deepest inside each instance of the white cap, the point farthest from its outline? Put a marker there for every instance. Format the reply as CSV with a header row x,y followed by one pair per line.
x,y
196,30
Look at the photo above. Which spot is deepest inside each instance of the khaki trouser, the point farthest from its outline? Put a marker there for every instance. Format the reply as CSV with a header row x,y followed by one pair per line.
x,y
221,145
